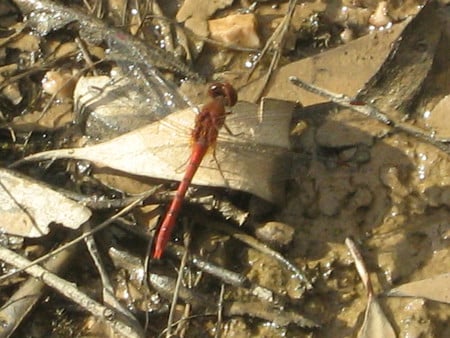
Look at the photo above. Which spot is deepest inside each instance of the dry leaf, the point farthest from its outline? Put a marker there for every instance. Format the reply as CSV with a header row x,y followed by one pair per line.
x,y
28,207
438,120
436,288
375,325
200,9
255,159
361,58
57,116
195,13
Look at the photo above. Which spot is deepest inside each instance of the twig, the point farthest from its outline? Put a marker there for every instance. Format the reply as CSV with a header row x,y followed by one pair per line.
x,y
342,100
70,291
177,287
87,57
164,25
107,287
220,312
25,298
254,243
373,112
227,276
165,286
275,42
18,30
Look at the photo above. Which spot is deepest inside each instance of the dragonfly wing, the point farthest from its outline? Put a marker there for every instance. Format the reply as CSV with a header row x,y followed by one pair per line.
x,y
109,107
267,123
260,170
156,150
256,158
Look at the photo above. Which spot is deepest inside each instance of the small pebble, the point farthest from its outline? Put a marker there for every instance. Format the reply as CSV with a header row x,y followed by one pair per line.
x,y
380,17
58,82
238,30
12,92
347,35
333,134
275,233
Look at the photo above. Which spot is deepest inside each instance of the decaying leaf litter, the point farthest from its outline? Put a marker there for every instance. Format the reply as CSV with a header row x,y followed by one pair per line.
x,y
352,175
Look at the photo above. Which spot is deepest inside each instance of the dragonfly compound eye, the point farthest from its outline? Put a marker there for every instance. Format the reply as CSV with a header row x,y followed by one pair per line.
x,y
225,90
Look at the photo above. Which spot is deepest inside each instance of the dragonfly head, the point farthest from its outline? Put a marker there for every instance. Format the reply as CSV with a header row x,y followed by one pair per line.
x,y
225,90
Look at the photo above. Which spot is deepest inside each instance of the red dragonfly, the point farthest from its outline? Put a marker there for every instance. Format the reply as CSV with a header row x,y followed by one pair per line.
x,y
204,135
256,162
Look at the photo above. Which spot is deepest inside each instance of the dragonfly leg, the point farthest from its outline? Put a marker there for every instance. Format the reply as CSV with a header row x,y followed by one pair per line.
x,y
229,131
225,181
182,167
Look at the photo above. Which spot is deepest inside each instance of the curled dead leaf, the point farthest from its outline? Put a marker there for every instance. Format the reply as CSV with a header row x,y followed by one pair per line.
x,y
27,207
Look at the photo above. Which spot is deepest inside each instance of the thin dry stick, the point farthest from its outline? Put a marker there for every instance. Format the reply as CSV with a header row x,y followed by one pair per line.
x,y
86,55
373,112
16,308
137,15
146,8
176,292
275,42
254,243
107,287
374,324
218,333
182,325
164,25
342,100
70,291
97,9
18,30
257,245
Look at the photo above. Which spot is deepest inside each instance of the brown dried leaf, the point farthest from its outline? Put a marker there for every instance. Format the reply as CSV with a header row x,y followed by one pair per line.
x,y
361,58
57,116
200,8
375,325
27,207
438,118
195,13
255,159
26,42
436,288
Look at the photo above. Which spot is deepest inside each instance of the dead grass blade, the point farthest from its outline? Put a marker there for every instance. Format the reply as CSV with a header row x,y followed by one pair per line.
x,y
375,324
